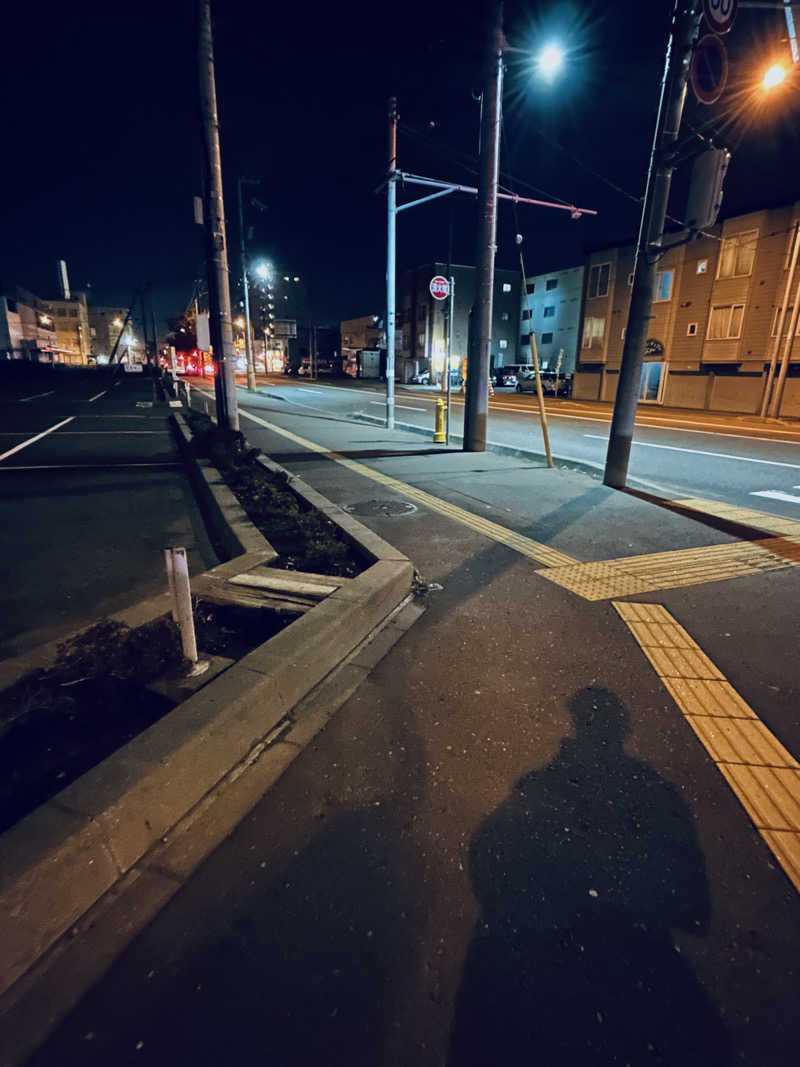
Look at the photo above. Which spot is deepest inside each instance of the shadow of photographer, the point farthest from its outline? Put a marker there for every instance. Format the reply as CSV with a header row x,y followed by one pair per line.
x,y
581,874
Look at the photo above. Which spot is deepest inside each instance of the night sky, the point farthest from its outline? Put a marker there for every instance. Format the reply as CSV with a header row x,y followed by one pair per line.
x,y
102,146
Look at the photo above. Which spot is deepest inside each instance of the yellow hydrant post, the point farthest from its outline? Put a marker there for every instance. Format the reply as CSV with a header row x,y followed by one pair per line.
x,y
438,430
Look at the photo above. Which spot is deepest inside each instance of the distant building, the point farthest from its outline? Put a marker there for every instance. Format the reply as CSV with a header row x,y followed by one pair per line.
x,y
714,323
73,334
551,309
422,320
25,331
105,327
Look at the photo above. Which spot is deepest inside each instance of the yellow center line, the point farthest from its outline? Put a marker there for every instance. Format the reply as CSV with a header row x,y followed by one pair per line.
x,y
764,776
526,546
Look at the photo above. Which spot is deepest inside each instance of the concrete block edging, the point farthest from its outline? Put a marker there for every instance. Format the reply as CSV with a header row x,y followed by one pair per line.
x,y
58,861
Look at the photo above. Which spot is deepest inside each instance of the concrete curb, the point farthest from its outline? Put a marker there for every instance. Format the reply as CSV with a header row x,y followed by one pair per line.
x,y
58,861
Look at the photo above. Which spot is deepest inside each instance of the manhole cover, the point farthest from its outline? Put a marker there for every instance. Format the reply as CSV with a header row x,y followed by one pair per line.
x,y
390,508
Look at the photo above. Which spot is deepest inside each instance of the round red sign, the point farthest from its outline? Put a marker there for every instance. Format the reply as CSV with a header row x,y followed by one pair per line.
x,y
440,287
709,70
720,14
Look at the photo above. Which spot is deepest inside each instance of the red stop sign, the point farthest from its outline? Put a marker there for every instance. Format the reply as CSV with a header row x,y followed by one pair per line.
x,y
440,287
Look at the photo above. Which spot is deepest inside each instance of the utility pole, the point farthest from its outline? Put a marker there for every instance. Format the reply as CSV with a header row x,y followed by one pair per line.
x,y
248,345
391,235
477,400
686,17
219,296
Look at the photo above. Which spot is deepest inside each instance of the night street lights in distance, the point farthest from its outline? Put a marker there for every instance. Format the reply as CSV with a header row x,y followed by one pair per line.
x,y
550,61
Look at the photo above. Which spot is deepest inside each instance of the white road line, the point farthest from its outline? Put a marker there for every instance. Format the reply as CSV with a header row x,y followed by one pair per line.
x,y
93,398
25,399
86,466
701,452
405,407
33,440
776,494
114,433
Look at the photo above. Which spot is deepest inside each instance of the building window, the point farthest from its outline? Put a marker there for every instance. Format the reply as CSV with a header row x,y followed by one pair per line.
x,y
551,283
506,287
737,255
420,338
549,311
525,339
630,278
594,328
786,322
61,312
598,280
547,338
527,313
794,237
691,329
530,288
622,334
725,322
502,343
702,266
73,314
664,285
504,316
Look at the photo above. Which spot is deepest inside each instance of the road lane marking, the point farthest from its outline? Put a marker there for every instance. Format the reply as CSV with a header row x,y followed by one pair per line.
x,y
675,569
776,494
33,440
97,397
406,407
516,541
173,464
25,399
701,452
760,520
764,776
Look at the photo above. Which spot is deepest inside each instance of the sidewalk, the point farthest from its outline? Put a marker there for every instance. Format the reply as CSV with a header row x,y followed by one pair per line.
x,y
86,510
509,846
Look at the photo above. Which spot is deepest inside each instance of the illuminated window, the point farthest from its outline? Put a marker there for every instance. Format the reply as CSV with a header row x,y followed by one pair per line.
x,y
594,328
725,322
664,285
506,287
786,322
702,266
737,255
503,343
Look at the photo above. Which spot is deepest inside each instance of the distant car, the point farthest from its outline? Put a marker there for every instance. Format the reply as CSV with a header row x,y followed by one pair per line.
x,y
505,377
421,379
551,385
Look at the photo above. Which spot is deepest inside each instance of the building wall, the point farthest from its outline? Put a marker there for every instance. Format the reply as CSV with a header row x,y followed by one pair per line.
x,y
364,332
561,292
71,319
25,333
716,323
103,333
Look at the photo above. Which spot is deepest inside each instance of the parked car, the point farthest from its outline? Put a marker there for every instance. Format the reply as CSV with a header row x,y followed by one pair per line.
x,y
551,386
505,378
423,378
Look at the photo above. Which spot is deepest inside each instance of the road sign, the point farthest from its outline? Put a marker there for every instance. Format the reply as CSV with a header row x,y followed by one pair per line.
x,y
709,70
720,14
133,368
440,288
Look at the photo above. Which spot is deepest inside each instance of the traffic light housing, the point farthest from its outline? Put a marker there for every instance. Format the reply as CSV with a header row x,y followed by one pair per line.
x,y
705,188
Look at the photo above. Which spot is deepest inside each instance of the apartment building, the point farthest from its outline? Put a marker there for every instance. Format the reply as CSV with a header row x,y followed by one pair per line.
x,y
551,310
105,327
73,333
422,320
714,322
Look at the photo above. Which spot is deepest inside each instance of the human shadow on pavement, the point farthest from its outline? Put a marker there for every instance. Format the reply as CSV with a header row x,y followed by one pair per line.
x,y
581,874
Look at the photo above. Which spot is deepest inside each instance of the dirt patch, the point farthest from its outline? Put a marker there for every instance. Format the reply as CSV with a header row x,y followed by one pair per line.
x,y
304,539
56,724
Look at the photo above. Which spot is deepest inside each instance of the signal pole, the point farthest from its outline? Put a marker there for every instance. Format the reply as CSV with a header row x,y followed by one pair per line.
x,y
248,344
476,408
686,17
391,237
219,295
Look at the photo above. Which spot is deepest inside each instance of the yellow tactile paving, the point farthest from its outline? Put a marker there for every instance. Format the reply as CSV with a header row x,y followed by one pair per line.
x,y
680,567
761,520
762,773
526,546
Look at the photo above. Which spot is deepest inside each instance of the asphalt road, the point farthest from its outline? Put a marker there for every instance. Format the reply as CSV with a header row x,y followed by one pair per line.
x,y
736,459
91,490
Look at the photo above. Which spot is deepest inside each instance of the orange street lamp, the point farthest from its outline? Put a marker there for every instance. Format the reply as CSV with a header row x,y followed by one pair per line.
x,y
773,76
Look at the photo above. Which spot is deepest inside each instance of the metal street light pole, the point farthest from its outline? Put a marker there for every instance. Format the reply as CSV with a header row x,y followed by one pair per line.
x,y
248,344
391,235
686,17
477,400
219,296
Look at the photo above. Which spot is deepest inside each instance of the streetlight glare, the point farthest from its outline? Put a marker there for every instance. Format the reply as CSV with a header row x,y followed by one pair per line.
x,y
774,76
263,270
550,61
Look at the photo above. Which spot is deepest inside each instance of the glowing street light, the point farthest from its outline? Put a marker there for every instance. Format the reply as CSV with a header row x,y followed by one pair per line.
x,y
775,75
550,61
264,270
240,323
45,320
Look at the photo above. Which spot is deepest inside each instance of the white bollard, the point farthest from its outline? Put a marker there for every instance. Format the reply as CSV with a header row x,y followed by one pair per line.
x,y
178,577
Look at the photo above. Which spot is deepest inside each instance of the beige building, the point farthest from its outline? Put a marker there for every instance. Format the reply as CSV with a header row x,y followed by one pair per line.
x,y
713,328
105,327
73,334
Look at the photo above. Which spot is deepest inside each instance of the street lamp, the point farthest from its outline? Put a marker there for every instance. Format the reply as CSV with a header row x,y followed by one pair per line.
x,y
773,76
550,61
264,270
